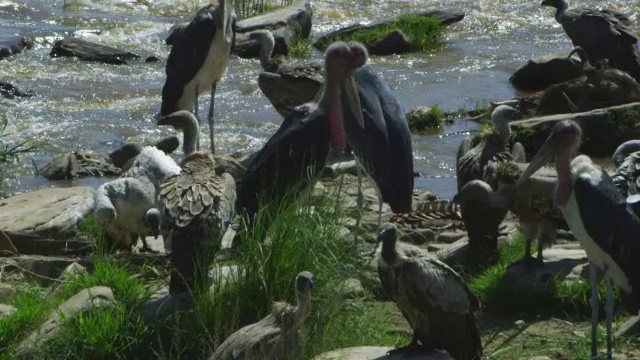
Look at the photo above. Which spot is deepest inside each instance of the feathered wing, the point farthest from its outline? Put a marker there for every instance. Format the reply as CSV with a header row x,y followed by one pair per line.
x,y
612,225
444,306
187,57
196,195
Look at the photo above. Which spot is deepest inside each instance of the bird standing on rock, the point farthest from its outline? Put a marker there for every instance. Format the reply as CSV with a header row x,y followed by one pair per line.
x,y
598,216
198,206
433,298
603,34
198,61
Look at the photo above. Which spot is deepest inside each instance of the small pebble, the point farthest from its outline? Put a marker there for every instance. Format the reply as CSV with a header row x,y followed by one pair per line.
x,y
519,323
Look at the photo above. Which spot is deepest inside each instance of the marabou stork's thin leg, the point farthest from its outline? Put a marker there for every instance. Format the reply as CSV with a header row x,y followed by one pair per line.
x,y
594,278
210,118
195,111
379,208
608,308
360,197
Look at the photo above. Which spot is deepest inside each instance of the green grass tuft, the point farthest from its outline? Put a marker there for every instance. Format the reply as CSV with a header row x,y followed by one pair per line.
x,y
33,308
425,121
424,32
301,48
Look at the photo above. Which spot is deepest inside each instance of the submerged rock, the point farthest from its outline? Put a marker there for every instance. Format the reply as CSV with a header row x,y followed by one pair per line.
x,y
603,129
11,43
9,91
542,72
51,212
395,42
89,51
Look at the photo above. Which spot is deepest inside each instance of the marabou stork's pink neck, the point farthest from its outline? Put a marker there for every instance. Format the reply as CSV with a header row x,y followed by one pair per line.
x,y
565,180
330,100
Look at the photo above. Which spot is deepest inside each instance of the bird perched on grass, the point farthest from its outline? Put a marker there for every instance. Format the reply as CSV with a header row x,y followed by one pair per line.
x,y
433,298
197,207
277,336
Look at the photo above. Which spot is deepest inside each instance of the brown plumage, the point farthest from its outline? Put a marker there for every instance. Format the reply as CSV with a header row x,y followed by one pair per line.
x,y
472,159
197,204
533,205
442,214
277,336
432,297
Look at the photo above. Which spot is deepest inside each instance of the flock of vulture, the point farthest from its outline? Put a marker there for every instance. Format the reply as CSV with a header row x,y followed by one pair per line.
x,y
347,106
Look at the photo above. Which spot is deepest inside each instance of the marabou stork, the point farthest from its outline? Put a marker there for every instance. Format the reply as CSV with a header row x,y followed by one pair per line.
x,y
296,153
598,216
198,61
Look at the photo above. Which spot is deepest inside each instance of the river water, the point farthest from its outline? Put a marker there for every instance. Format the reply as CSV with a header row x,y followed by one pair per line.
x,y
91,106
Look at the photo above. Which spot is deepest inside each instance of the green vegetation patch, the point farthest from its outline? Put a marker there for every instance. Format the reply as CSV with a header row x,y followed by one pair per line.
x,y
424,32
421,121
301,48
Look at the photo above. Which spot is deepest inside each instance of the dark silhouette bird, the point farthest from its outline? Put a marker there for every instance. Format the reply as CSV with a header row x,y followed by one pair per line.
x,y
286,86
599,86
433,298
198,206
598,216
603,34
493,146
296,153
277,336
198,61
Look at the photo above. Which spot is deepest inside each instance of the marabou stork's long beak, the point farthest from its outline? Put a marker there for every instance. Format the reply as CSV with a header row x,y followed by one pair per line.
x,y
350,88
225,9
544,155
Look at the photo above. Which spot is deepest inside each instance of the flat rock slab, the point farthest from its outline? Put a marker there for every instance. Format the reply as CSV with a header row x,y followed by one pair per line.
x,y
44,269
6,310
12,43
33,244
446,16
82,302
51,212
542,72
374,353
602,129
565,263
287,26
89,51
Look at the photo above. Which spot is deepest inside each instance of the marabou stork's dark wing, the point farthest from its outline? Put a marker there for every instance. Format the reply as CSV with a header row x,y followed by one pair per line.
x,y
187,56
295,152
384,146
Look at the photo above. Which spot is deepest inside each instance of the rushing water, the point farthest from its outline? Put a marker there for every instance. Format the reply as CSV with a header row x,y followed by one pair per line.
x,y
91,106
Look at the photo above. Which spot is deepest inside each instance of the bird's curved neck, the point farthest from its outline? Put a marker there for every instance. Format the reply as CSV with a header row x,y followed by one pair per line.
x,y
565,181
388,252
561,9
504,131
266,49
190,140
302,306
